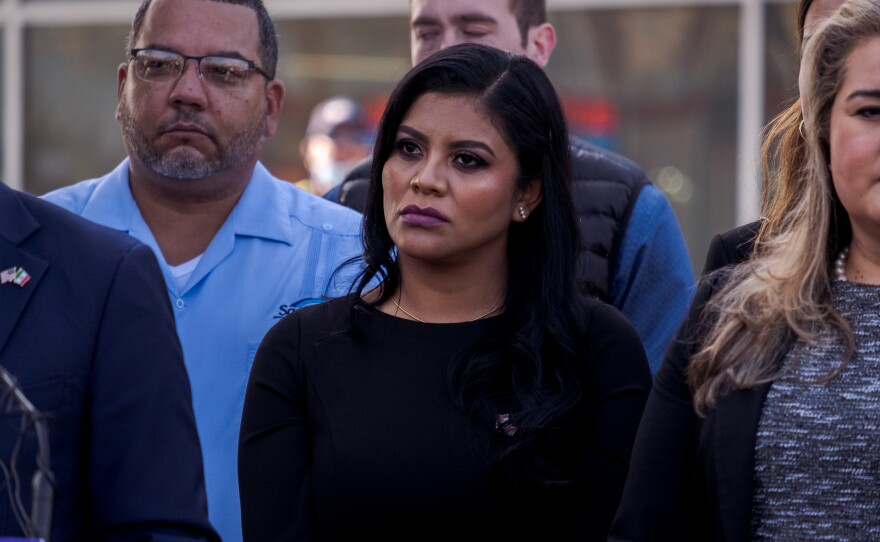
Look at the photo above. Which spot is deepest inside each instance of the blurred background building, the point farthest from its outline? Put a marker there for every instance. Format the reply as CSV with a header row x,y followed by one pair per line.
x,y
681,86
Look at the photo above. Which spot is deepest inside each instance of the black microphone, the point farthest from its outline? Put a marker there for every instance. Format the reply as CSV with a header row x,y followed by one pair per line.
x,y
43,482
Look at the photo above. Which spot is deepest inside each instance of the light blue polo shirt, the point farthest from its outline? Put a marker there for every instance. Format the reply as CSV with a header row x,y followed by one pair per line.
x,y
276,251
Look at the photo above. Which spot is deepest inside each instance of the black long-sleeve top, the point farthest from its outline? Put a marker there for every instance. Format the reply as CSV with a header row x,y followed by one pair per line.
x,y
349,437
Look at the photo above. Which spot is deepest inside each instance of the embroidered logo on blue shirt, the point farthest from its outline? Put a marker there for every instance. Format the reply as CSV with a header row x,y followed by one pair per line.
x,y
284,310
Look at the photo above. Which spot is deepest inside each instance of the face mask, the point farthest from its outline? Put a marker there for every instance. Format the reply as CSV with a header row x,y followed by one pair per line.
x,y
329,174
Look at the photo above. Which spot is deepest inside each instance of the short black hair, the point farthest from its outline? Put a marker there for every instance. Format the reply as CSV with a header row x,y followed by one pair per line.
x,y
528,14
268,34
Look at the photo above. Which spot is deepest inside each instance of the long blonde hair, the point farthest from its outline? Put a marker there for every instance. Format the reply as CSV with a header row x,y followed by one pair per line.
x,y
783,291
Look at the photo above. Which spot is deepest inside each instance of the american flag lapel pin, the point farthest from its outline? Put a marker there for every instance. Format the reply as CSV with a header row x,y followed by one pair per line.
x,y
15,275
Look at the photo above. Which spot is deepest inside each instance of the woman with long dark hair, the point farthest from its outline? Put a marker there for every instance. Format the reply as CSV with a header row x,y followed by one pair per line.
x,y
464,389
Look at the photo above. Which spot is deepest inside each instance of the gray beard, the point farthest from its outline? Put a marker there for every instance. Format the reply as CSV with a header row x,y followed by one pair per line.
x,y
182,163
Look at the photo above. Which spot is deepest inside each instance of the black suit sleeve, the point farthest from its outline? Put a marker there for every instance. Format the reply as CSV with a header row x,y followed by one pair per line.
x,y
618,389
662,496
658,500
274,449
144,466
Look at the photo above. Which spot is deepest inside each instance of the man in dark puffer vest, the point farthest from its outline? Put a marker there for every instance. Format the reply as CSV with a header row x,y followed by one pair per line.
x,y
633,253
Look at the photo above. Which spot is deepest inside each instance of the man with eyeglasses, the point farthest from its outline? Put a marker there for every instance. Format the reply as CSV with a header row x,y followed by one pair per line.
x,y
197,96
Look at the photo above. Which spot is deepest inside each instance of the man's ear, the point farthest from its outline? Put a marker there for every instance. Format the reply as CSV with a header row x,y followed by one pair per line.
x,y
528,198
121,78
540,42
275,101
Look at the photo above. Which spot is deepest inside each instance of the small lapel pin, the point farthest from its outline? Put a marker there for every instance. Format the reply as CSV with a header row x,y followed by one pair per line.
x,y
502,423
14,275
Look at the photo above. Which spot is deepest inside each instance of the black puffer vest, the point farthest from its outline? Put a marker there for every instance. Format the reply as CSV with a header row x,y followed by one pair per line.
x,y
604,189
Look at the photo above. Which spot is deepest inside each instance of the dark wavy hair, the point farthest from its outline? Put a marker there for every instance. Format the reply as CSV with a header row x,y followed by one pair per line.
x,y
527,369
268,34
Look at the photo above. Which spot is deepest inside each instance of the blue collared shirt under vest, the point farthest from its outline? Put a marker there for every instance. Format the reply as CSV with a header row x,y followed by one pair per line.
x,y
276,252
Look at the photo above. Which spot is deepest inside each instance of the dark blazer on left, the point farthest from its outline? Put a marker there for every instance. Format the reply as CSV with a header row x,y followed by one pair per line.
x,y
690,478
731,247
90,337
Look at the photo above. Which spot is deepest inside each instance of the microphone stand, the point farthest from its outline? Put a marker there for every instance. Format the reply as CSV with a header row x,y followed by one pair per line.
x,y
43,482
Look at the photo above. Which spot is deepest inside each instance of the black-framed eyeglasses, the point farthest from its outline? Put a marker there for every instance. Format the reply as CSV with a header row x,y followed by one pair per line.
x,y
158,66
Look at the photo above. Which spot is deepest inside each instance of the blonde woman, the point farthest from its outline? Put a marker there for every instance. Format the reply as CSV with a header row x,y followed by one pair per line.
x,y
764,421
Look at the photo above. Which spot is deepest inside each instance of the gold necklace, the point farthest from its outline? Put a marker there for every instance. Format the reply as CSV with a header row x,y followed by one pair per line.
x,y
417,319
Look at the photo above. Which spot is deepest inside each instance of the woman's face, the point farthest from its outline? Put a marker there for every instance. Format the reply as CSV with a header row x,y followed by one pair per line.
x,y
855,140
450,182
